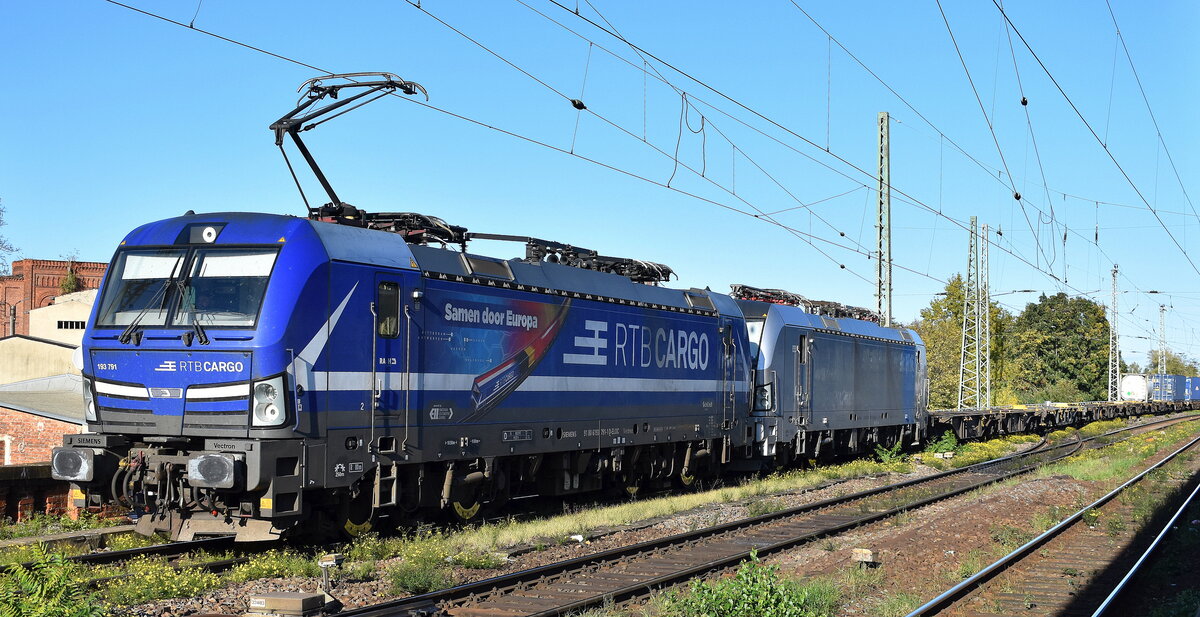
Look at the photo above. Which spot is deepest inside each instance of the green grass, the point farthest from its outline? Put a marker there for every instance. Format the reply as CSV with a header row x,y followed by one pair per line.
x,y
505,534
151,578
43,524
759,507
274,563
974,452
758,590
126,541
972,562
1182,605
28,552
1118,460
897,605
1009,538
477,561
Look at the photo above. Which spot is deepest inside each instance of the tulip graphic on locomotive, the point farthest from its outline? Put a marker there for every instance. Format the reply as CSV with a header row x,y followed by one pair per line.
x,y
256,374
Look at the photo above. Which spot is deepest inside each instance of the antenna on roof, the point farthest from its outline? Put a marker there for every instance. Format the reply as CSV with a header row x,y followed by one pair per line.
x,y
296,121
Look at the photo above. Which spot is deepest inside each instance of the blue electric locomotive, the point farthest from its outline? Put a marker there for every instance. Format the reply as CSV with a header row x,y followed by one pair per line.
x,y
247,373
256,375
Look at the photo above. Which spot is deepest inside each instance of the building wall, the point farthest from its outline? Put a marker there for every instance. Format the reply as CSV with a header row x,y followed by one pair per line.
x,y
63,321
28,438
22,358
34,283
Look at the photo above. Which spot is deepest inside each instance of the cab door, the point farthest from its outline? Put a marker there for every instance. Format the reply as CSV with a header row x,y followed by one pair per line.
x,y
729,372
388,357
802,376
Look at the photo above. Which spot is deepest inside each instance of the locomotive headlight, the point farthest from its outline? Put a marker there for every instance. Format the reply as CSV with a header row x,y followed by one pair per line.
x,y
75,464
268,410
212,471
267,414
265,392
764,399
89,403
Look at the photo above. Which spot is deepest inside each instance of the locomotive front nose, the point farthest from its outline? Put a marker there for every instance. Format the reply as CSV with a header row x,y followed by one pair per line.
x,y
73,464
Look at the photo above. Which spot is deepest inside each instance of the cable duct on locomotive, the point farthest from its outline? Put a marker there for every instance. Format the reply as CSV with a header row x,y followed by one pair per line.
x,y
538,251
816,307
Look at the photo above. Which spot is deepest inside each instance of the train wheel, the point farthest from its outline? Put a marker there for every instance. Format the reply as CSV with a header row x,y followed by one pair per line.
x,y
466,496
465,512
357,514
631,483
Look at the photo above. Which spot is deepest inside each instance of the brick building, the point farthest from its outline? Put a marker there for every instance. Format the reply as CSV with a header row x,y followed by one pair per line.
x,y
33,423
34,283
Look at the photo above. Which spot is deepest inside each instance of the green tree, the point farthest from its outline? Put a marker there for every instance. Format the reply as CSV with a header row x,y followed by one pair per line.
x,y
1176,364
940,327
1060,350
70,283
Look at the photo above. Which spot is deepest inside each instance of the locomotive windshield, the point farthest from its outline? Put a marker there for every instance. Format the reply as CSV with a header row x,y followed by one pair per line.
x,y
209,286
139,284
225,287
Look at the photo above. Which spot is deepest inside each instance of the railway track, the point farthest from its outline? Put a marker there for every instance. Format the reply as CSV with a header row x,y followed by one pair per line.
x,y
1132,589
168,550
1071,569
626,573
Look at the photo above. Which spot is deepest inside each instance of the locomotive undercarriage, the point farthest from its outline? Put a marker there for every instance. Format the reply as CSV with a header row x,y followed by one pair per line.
x,y
253,489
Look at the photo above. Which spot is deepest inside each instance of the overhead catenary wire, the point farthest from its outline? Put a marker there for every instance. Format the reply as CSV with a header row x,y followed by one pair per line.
x,y
916,202
1157,131
1091,130
791,229
897,193
808,237
674,157
994,173
523,137
992,130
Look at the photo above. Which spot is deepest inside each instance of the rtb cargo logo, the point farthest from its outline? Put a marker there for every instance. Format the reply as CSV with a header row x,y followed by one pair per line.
x,y
639,346
200,366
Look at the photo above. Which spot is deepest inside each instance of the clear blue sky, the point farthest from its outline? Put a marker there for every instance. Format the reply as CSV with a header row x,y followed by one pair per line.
x,y
112,118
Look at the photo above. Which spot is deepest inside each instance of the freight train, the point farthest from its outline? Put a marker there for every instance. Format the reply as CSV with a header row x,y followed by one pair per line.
x,y
260,375
1141,388
257,375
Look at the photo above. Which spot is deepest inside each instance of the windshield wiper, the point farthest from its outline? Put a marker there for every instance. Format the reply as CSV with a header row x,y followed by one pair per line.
x,y
133,332
197,332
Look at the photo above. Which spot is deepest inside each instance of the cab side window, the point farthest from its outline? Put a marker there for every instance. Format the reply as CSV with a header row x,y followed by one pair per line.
x,y
387,310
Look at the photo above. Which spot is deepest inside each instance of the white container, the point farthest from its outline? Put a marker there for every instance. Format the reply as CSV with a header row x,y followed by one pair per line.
x,y
1134,388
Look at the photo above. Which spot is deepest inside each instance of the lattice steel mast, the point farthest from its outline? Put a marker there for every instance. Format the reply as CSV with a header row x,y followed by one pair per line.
x,y
1114,352
985,321
883,227
968,371
1162,339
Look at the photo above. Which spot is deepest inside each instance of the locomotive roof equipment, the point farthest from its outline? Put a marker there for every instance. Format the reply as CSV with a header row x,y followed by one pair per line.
x,y
295,121
538,250
816,307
